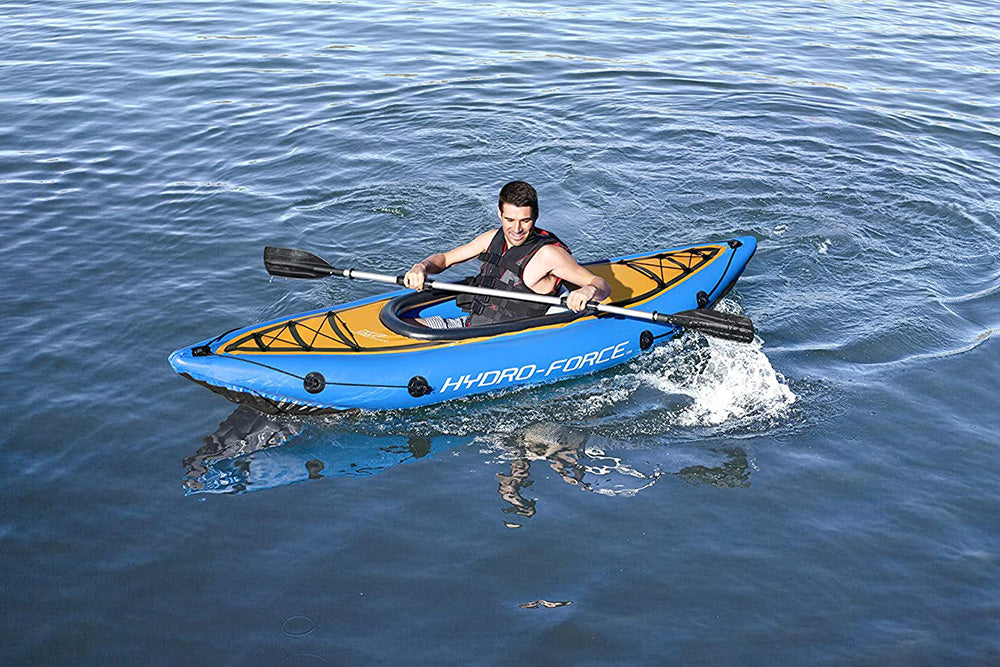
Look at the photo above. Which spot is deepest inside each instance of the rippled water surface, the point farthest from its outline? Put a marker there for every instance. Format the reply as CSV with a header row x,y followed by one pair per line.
x,y
828,494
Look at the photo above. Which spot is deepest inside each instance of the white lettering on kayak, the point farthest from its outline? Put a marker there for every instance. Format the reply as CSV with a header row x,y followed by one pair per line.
x,y
508,374
458,383
554,365
374,335
496,378
530,368
521,373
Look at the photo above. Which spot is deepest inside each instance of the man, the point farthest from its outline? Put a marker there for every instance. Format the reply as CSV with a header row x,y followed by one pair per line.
x,y
519,257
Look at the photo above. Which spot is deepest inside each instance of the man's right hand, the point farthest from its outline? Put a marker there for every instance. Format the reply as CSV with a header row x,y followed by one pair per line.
x,y
414,278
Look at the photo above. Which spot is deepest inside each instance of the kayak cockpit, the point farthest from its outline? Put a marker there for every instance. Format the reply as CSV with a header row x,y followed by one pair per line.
x,y
398,315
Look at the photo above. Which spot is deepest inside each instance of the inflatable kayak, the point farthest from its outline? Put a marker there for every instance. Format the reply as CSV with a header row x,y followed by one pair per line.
x,y
371,354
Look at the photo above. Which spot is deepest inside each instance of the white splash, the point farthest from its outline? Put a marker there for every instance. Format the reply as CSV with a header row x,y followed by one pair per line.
x,y
726,380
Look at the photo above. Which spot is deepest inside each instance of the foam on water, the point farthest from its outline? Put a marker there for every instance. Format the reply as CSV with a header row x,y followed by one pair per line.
x,y
734,381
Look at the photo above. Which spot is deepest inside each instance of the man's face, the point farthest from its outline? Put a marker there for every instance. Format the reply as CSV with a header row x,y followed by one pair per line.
x,y
516,223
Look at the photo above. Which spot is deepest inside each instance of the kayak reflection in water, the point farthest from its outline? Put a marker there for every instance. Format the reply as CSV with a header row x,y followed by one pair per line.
x,y
585,460
250,451
241,434
243,455
518,257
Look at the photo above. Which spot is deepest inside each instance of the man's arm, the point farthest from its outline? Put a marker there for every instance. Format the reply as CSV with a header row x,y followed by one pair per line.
x,y
439,261
552,259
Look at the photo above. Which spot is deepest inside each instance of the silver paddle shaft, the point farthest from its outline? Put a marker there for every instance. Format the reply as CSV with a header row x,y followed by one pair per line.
x,y
504,294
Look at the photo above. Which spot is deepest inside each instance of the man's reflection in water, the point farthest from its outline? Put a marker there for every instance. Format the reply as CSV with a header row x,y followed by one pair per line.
x,y
582,459
511,485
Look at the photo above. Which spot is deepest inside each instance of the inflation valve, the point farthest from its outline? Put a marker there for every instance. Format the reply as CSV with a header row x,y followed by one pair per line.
x,y
646,339
418,386
702,297
314,382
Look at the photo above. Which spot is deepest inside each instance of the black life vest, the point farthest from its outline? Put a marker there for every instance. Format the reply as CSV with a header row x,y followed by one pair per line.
x,y
503,268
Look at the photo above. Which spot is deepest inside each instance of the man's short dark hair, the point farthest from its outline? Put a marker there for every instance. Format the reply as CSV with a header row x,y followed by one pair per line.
x,y
519,193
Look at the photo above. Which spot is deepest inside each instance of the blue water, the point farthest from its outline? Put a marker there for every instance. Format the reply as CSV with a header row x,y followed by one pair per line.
x,y
826,495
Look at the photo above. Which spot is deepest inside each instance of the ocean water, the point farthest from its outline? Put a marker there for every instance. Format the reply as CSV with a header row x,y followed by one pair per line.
x,y
829,494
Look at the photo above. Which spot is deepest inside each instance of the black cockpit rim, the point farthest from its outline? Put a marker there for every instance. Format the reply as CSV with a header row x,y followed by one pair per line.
x,y
391,317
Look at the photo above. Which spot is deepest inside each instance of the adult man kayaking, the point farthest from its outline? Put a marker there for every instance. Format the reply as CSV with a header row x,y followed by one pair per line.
x,y
519,257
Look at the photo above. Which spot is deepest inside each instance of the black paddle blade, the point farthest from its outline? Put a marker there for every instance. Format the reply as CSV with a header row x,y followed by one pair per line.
x,y
713,323
292,263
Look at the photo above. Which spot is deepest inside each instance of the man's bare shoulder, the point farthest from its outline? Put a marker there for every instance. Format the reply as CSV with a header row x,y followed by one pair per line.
x,y
557,261
552,255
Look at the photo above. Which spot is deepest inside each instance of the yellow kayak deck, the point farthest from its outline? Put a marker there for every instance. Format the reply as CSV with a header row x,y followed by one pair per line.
x,y
354,328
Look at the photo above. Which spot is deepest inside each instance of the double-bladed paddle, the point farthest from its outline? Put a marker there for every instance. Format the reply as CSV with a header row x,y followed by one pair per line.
x,y
291,263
